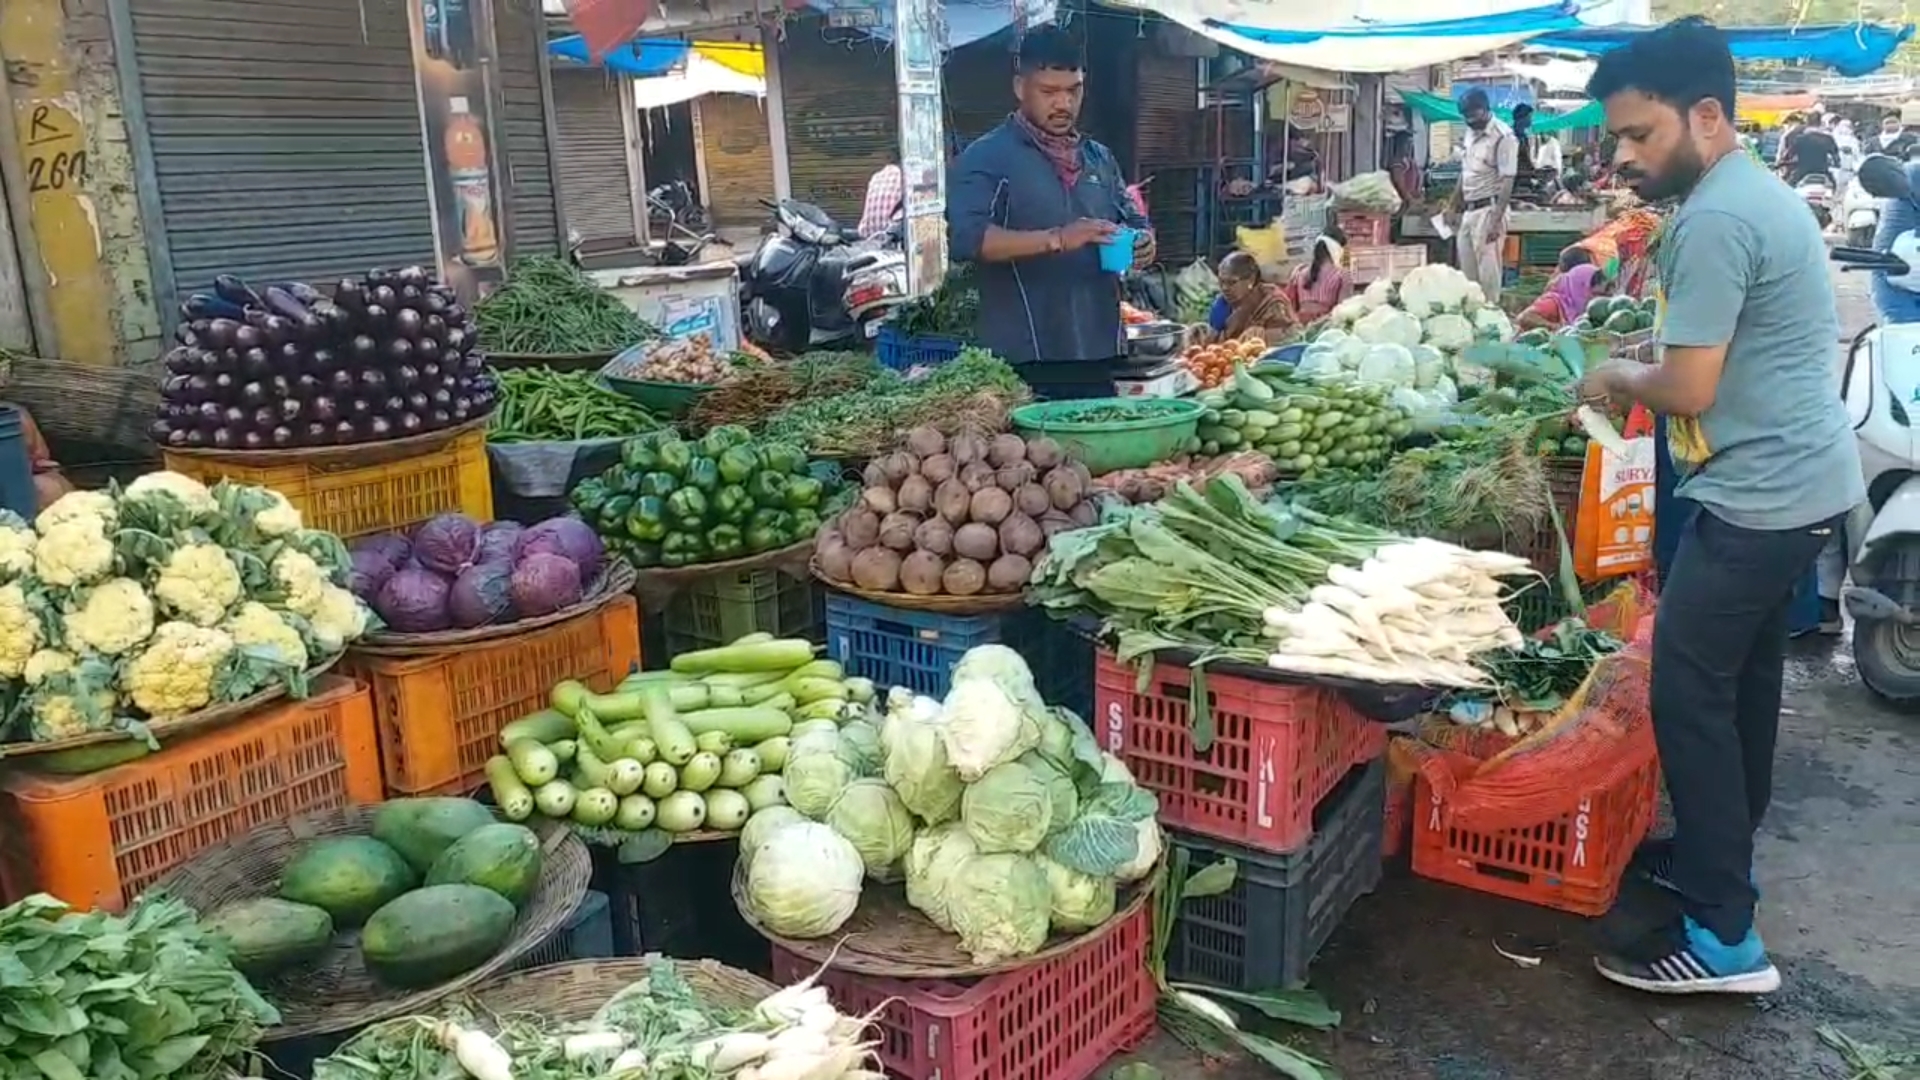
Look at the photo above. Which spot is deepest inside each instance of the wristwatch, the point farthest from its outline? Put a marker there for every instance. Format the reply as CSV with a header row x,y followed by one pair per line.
x,y
1055,243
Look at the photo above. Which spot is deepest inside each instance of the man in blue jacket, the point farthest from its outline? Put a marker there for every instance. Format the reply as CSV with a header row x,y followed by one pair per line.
x,y
1029,204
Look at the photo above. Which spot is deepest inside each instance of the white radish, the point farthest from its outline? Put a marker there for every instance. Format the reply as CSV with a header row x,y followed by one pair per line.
x,y
820,1018
632,1061
788,1004
729,1052
479,1056
793,1068
1600,430
593,1044
798,1042
1208,1008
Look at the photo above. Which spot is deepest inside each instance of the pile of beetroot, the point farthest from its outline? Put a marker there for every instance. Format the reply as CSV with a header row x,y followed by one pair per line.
x,y
454,573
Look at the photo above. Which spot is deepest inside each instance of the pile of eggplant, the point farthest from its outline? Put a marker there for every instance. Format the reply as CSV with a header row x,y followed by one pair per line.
x,y
388,355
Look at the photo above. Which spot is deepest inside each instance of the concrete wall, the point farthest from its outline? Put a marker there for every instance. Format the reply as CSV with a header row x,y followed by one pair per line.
x,y
89,254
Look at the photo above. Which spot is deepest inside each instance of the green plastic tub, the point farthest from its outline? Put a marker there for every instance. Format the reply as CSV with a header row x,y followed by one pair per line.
x,y
1107,434
660,398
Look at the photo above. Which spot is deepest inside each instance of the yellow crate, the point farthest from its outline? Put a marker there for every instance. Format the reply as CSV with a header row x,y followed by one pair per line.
x,y
373,488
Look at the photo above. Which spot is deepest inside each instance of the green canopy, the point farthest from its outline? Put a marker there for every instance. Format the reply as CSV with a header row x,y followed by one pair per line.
x,y
1435,109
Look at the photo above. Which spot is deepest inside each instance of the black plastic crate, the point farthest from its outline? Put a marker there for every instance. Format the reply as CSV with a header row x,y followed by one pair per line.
x,y
678,905
918,649
586,935
1264,932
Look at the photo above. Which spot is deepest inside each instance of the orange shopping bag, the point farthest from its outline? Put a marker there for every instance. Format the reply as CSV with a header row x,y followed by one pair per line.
x,y
1613,528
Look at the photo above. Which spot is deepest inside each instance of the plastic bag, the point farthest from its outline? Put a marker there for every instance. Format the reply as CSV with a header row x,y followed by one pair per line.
x,y
1373,191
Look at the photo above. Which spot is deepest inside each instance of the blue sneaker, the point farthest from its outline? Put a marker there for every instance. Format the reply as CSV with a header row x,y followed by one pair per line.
x,y
1686,958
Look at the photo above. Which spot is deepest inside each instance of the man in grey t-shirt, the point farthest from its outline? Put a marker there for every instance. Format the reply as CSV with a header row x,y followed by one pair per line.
x,y
1747,331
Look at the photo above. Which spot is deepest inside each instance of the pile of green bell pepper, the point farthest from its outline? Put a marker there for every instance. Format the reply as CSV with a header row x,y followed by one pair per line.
x,y
673,502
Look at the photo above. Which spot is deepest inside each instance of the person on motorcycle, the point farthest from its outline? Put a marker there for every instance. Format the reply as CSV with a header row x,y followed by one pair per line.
x,y
1811,152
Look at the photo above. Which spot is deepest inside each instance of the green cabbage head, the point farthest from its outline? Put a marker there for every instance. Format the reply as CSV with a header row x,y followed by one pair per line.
x,y
761,827
1064,796
1000,905
931,861
917,768
876,823
805,881
1080,901
1009,809
815,780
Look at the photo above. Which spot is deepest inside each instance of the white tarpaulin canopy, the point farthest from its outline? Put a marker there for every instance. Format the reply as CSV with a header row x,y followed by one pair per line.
x,y
699,76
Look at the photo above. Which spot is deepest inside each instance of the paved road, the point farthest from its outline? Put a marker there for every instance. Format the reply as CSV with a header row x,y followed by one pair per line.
x,y
1427,997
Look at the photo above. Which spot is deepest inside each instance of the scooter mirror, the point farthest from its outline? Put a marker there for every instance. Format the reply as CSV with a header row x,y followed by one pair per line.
x,y
1884,178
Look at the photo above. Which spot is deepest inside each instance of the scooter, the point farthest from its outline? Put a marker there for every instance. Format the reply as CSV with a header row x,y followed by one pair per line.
x,y
1881,386
1817,190
1860,213
794,287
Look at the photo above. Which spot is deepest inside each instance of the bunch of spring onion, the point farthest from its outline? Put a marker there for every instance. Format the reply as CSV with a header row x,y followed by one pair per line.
x,y
1414,612
654,1029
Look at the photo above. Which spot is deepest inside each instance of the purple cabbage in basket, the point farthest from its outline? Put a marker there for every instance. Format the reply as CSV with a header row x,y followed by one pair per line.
x,y
498,541
414,601
568,537
481,595
544,582
447,543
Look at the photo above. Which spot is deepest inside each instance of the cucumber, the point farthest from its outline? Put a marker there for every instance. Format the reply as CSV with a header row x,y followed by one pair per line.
x,y
1262,418
1233,418
510,793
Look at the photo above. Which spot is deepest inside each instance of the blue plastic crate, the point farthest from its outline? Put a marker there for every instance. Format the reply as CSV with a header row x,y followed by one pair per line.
x,y
588,935
904,352
918,649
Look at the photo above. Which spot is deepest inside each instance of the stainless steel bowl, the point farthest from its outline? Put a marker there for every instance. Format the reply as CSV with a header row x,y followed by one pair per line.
x,y
1155,339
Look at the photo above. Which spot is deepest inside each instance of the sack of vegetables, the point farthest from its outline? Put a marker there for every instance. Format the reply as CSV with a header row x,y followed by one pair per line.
x,y
673,503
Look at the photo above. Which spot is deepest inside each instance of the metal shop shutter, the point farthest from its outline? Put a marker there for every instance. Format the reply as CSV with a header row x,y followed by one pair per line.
x,y
843,120
595,188
1167,141
733,136
285,136
520,35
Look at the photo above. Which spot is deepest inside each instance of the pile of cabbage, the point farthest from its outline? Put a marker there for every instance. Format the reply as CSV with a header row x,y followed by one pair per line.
x,y
1003,817
454,573
1409,337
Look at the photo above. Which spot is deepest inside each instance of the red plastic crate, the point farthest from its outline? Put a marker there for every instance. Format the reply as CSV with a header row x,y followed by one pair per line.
x,y
1278,749
1059,1019
1571,863
1365,228
1398,821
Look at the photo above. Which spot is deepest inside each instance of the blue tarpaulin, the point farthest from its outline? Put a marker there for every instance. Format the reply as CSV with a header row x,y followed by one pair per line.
x,y
1534,20
1850,49
641,58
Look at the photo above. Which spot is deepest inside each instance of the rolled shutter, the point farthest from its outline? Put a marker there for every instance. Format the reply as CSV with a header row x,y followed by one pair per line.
x,y
843,120
1167,141
520,34
596,189
739,155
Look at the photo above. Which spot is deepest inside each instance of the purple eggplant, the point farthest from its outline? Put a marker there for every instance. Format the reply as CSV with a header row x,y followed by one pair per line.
x,y
398,352
256,364
253,440
379,427
350,295
376,319
373,381
316,433
306,385
290,410
384,295
418,402
195,439
181,361
345,432
408,324
410,423
323,409
204,306
359,408
405,377
426,350
222,438
220,333
363,349
253,393
301,291
265,417
281,436
342,382
235,291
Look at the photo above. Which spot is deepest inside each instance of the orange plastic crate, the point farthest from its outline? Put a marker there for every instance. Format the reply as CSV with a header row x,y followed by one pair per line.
x,y
1059,1019
377,496
440,716
1571,863
1365,228
98,840
1278,750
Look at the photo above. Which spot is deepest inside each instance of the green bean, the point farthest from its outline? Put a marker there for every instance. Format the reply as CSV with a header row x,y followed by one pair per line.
x,y
540,404
549,308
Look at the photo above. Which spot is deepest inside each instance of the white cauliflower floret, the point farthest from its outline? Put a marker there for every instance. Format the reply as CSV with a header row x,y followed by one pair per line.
x,y
44,663
19,631
174,674
116,616
340,618
56,713
302,578
17,543
279,519
198,583
192,493
73,551
259,630
94,506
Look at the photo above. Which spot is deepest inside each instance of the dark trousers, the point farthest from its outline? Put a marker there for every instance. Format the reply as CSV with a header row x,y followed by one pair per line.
x,y
1069,380
1719,649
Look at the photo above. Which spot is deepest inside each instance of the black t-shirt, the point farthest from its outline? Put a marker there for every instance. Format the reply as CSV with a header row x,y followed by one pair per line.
x,y
1814,152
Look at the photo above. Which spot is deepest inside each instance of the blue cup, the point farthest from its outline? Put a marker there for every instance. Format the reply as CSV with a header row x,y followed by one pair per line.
x,y
1116,254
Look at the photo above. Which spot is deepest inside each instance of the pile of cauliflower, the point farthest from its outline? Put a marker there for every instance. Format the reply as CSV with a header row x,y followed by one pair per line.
x,y
1410,338
166,597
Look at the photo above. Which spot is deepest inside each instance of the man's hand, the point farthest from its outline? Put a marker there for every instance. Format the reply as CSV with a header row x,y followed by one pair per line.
x,y
1145,247
1496,226
1086,231
1606,385
1239,189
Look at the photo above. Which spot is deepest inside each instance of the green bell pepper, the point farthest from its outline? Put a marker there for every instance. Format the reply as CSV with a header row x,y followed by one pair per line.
x,y
768,489
784,457
674,457
737,463
624,481
647,522
641,455
804,492
687,507
704,474
643,555
682,549
766,536
726,542
613,513
805,523
659,483
732,504
719,440
588,497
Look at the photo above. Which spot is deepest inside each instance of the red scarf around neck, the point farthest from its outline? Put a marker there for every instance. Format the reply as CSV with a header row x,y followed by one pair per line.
x,y
1063,151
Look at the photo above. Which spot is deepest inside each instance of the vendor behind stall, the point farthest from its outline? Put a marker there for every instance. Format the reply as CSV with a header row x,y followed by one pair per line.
x,y
1566,297
1251,306
1322,282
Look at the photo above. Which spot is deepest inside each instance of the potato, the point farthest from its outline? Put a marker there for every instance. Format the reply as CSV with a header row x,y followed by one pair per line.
x,y
1011,477
926,441
1053,521
967,448
1004,450
862,528
1032,500
964,577
991,506
1021,535
920,573
977,541
954,501
834,556
977,475
1043,452
877,569
935,535
915,495
1009,573
1065,487
938,468
1084,514
881,500
896,530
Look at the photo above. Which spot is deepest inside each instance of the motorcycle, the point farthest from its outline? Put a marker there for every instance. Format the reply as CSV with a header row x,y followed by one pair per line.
x,y
1881,386
813,283
1860,213
1817,190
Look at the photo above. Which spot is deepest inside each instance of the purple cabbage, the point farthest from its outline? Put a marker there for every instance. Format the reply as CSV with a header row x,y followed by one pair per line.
x,y
414,601
391,548
498,541
568,537
447,543
544,582
369,571
482,594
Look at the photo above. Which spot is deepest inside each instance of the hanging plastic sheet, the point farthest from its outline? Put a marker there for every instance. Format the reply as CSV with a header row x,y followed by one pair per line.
x,y
1435,109
1851,49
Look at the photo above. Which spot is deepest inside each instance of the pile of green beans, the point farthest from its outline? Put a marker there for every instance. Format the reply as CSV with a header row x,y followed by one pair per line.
x,y
549,308
539,404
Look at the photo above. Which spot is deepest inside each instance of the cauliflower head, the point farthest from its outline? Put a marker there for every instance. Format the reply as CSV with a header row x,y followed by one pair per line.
x,y
175,674
19,631
116,616
303,579
279,518
74,551
17,543
259,630
340,618
157,486
44,664
61,704
92,506
198,583
255,513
